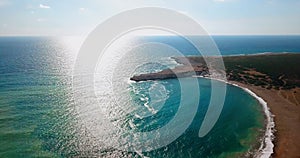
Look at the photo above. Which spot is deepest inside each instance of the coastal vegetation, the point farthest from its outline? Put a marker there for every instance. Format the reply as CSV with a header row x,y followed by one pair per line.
x,y
276,71
279,72
270,71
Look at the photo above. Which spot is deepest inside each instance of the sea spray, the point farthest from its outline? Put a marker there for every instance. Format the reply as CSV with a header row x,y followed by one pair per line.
x,y
266,148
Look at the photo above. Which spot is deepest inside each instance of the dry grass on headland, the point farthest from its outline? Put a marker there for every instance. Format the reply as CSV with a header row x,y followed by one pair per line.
x,y
273,77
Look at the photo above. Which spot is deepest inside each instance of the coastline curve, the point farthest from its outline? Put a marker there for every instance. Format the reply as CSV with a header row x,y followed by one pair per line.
x,y
266,148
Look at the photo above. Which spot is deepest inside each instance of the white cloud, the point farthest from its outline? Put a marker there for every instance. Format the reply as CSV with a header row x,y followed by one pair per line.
x,y
82,9
44,6
219,0
41,20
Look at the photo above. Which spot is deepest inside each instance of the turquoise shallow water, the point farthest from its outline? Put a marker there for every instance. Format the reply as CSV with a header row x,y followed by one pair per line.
x,y
234,134
38,117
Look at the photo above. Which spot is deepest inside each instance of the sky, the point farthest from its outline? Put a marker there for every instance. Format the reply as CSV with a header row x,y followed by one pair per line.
x,y
217,17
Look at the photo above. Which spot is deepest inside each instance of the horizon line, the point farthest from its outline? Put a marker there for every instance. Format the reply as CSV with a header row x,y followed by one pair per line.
x,y
33,35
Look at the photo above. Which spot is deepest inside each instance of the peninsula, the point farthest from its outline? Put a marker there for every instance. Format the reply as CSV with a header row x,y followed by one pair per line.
x,y
274,77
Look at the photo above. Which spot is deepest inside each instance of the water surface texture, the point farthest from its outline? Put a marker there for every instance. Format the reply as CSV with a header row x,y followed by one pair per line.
x,y
38,117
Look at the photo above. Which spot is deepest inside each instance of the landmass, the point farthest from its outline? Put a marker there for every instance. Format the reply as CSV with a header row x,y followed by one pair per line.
x,y
179,71
274,77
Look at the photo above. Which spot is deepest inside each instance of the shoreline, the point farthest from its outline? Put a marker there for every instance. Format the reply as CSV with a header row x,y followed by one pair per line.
x,y
286,118
282,99
284,140
267,145
266,149
279,96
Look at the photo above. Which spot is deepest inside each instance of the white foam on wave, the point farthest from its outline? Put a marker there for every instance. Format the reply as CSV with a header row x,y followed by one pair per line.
x,y
266,148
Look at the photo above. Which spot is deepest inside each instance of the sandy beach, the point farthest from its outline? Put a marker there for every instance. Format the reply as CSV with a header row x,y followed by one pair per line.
x,y
287,118
276,86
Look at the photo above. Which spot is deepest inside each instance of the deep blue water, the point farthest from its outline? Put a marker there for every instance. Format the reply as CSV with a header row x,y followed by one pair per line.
x,y
230,45
38,116
237,45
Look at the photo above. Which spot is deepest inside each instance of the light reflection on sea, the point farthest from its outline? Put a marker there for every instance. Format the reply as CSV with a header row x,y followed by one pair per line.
x,y
38,116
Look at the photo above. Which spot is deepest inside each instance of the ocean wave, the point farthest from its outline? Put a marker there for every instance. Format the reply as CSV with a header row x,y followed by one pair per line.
x,y
266,146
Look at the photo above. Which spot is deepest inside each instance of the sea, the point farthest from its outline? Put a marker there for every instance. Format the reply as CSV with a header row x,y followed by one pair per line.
x,y
41,115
